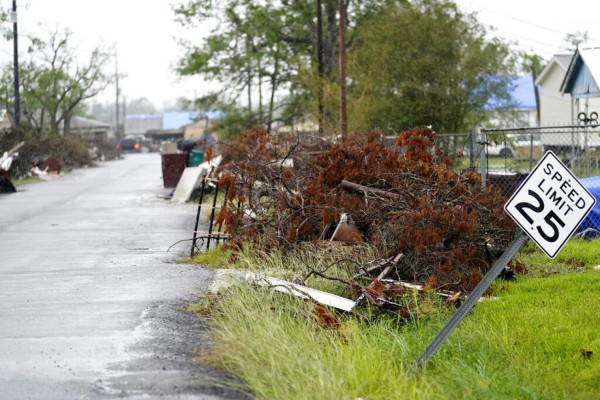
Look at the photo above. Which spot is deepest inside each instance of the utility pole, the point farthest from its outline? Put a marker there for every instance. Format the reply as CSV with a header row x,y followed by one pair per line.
x,y
16,63
320,64
117,96
343,116
536,92
124,113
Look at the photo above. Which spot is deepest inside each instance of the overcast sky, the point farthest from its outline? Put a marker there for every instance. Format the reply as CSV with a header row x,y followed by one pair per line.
x,y
143,32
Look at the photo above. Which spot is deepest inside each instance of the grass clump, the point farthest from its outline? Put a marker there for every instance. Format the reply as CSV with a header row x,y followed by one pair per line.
x,y
217,257
578,255
540,340
268,340
25,181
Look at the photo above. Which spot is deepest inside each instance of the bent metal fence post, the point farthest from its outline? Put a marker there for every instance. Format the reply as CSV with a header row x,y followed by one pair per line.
x,y
210,234
198,217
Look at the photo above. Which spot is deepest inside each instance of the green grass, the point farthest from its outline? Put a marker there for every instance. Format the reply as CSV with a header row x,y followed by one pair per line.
x,y
217,257
526,345
578,255
25,181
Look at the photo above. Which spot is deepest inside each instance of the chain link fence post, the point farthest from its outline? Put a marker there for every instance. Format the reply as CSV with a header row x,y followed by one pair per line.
x,y
483,160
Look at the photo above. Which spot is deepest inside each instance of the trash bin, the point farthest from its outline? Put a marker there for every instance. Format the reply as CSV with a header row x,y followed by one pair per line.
x,y
172,168
196,158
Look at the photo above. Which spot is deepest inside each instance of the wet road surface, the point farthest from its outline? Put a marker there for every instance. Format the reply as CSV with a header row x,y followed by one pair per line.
x,y
90,300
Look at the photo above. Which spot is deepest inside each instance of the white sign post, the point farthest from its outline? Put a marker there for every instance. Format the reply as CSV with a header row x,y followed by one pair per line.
x,y
550,204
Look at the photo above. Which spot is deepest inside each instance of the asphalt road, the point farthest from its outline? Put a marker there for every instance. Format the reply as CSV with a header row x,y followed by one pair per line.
x,y
90,299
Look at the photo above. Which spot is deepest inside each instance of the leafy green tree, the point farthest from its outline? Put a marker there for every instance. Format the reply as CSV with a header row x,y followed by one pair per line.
x,y
54,86
426,63
252,51
572,41
533,64
260,49
410,63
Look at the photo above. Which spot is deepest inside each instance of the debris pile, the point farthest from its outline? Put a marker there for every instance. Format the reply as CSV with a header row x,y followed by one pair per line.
x,y
442,228
49,153
6,161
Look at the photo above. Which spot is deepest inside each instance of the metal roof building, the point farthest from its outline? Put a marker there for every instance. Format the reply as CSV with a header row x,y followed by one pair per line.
x,y
582,77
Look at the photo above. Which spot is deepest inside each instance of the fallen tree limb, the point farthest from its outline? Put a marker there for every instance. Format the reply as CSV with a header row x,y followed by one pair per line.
x,y
361,188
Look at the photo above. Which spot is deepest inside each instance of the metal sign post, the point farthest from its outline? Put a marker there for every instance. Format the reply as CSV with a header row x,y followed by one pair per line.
x,y
548,207
470,302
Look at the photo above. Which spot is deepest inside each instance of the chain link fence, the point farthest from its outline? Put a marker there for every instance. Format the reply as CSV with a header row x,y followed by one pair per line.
x,y
505,157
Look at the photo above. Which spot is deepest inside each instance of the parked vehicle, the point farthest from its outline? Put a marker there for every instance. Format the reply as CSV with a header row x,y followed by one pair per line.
x,y
520,146
138,144
129,145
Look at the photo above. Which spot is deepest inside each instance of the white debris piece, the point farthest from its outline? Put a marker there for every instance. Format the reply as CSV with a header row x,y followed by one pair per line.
x,y
44,175
303,292
192,178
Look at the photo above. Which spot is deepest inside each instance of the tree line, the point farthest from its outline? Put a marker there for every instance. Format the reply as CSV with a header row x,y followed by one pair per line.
x,y
409,63
54,82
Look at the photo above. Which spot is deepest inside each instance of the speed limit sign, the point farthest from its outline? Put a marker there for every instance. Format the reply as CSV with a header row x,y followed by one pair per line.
x,y
550,204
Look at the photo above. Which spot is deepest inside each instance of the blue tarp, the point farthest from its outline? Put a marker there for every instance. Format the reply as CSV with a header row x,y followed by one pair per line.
x,y
593,219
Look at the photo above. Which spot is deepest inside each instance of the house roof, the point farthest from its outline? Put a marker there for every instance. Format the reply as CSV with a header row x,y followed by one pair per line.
x,y
179,119
521,92
561,61
583,75
87,123
141,123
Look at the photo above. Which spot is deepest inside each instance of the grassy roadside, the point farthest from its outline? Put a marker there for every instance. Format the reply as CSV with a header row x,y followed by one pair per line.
x,y
25,181
540,340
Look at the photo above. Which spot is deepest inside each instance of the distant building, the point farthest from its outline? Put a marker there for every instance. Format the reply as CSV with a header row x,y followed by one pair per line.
x,y
555,109
205,121
171,126
521,111
139,124
582,81
91,129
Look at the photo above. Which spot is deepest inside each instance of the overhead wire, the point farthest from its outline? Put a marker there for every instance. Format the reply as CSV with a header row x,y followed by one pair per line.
x,y
531,23
519,37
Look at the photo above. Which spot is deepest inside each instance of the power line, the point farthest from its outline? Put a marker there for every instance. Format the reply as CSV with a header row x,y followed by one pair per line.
x,y
531,23
527,38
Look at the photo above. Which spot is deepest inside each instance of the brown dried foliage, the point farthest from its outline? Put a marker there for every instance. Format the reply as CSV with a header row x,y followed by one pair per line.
x,y
438,218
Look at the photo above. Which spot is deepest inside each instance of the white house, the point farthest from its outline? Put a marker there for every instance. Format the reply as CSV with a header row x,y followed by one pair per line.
x,y
522,110
582,82
558,108
555,108
91,129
